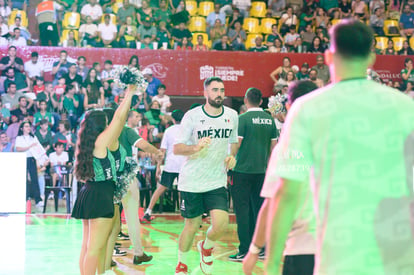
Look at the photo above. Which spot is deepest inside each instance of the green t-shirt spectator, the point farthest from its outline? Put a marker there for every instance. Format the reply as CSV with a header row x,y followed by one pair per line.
x,y
153,118
68,104
162,15
128,138
410,77
258,129
38,117
19,79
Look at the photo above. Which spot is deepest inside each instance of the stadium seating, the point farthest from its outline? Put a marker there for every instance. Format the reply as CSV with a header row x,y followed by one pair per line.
x,y
250,41
258,9
21,14
266,25
71,21
197,24
251,25
191,7
205,8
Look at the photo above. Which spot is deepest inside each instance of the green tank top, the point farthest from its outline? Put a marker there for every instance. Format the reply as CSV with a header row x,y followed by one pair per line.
x,y
105,168
119,156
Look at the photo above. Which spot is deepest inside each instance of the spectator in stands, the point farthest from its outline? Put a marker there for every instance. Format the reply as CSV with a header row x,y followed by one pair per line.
x,y
290,37
24,142
407,74
18,4
144,11
45,95
223,45
243,6
316,46
153,82
23,31
125,11
147,29
163,35
215,15
304,72
43,114
281,72
60,88
58,158
321,19
307,36
18,78
5,10
345,9
277,7
298,47
306,18
73,78
216,32
163,13
46,13
34,68
146,43
22,110
5,144
322,69
107,32
406,49
154,115
288,19
16,39
66,137
3,41
93,91
134,62
277,47
389,50
285,81
11,98
180,32
184,45
70,41
162,99
375,4
359,10
296,5
376,21
408,90
92,9
4,28
313,76
200,46
273,36
82,69
107,75
4,116
235,17
407,21
88,33
13,129
11,60
61,67
71,104
259,46
128,34
141,102
237,37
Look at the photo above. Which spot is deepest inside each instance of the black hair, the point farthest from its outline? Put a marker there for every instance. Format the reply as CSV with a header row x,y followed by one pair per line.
x,y
63,51
208,81
177,115
20,133
352,39
254,96
109,112
11,83
300,88
162,86
69,87
57,144
407,60
12,47
81,57
20,98
43,121
108,62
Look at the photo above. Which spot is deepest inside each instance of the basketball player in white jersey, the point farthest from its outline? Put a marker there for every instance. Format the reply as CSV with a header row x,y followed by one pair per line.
x,y
207,131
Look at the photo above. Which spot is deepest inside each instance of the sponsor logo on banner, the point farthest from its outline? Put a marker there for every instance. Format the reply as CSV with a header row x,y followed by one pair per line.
x,y
158,70
48,61
226,73
387,75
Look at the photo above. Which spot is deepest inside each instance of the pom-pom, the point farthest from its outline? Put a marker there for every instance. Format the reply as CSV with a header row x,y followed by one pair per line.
x,y
125,76
277,104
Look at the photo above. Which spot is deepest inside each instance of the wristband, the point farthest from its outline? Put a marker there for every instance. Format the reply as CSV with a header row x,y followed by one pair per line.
x,y
254,249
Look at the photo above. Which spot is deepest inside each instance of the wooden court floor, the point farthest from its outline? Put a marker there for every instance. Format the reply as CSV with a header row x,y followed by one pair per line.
x,y
38,244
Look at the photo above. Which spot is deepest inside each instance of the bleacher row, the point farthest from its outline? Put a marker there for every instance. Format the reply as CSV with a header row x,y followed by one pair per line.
x,y
255,25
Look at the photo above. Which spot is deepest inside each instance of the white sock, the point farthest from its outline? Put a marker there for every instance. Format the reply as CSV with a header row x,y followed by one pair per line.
x,y
148,211
208,243
182,257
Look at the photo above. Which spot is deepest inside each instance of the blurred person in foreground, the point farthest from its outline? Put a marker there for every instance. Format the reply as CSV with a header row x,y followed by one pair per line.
x,y
358,162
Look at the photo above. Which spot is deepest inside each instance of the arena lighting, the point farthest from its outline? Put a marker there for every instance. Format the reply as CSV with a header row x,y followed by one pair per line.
x,y
12,182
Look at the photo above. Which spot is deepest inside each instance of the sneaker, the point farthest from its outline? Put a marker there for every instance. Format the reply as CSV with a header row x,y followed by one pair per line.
x,y
181,269
40,204
142,259
147,218
123,237
118,253
237,257
51,196
113,263
206,259
262,255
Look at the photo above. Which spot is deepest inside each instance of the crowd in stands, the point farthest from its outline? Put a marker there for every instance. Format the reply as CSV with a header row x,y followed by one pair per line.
x,y
260,26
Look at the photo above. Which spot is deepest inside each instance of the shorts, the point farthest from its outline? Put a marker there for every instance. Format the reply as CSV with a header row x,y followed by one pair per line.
x,y
167,179
193,205
299,264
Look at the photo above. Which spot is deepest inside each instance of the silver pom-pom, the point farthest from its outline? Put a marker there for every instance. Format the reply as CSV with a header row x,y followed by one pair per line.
x,y
125,76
